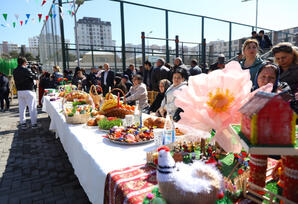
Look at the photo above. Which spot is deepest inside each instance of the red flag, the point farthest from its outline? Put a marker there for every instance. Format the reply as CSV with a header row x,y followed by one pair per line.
x,y
21,23
47,18
43,2
39,16
72,13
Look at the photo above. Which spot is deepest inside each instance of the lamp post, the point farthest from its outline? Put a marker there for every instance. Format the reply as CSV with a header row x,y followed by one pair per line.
x,y
150,32
257,6
79,3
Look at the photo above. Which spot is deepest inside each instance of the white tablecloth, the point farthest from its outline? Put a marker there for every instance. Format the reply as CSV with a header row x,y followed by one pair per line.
x,y
91,155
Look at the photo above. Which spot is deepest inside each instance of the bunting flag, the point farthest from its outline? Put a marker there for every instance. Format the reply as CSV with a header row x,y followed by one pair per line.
x,y
53,6
69,11
26,21
14,24
54,16
39,17
5,16
17,16
43,2
21,22
51,15
47,17
28,16
72,13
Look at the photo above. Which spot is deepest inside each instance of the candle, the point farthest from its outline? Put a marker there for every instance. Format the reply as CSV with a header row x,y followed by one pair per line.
x,y
118,100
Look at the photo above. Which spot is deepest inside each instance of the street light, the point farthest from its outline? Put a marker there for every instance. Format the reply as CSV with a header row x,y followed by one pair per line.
x,y
148,40
79,3
257,5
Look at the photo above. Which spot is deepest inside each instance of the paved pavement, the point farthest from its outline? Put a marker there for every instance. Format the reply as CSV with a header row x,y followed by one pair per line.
x,y
33,165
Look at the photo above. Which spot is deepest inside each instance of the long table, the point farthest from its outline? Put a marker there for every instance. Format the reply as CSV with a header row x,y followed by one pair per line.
x,y
92,156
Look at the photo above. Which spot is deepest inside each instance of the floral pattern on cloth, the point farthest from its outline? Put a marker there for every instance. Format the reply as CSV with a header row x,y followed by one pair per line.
x,y
129,185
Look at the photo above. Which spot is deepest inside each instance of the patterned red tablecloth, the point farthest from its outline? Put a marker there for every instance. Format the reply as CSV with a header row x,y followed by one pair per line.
x,y
129,185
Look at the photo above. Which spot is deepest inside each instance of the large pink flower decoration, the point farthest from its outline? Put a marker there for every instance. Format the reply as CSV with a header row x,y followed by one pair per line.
x,y
211,101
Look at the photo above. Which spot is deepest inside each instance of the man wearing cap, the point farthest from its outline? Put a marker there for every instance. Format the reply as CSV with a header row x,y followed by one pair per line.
x,y
220,64
158,73
125,81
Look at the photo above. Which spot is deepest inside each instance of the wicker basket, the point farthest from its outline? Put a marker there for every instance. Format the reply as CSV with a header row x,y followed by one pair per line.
x,y
77,118
97,98
117,111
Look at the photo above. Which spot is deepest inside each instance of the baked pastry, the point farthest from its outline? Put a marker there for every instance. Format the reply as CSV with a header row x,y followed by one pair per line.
x,y
159,122
149,122
92,122
99,117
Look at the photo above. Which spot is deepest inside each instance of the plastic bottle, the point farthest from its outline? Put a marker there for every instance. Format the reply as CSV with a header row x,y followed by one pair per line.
x,y
168,131
137,114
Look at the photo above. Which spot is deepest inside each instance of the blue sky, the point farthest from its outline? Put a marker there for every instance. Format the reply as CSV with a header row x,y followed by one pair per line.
x,y
273,14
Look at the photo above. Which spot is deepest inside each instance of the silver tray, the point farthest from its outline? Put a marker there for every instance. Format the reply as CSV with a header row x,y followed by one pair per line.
x,y
126,143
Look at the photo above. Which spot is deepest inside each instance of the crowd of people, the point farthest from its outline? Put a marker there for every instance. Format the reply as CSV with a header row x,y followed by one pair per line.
x,y
161,77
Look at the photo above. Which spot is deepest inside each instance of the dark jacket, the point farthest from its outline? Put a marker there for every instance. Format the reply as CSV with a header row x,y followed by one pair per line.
x,y
128,84
159,73
254,68
181,66
45,81
147,78
157,102
4,85
91,80
195,71
23,78
109,81
291,77
129,73
265,42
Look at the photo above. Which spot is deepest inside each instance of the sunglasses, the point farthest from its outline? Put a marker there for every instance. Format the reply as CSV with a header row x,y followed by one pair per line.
x,y
283,48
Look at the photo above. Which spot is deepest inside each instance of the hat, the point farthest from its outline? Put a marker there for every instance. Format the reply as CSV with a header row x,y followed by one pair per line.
x,y
221,55
162,60
125,76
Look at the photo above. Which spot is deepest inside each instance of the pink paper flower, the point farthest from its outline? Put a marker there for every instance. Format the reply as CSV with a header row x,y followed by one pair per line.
x,y
211,101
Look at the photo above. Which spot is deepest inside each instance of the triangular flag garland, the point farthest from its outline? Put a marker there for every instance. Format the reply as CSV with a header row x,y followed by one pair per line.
x,y
51,15
26,21
39,17
47,17
28,16
21,22
69,11
54,16
43,2
14,24
5,16
17,16
72,13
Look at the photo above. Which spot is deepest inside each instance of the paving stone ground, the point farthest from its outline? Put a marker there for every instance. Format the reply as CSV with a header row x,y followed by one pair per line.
x,y
33,165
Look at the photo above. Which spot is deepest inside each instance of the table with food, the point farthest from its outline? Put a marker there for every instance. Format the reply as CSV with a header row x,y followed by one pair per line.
x,y
121,155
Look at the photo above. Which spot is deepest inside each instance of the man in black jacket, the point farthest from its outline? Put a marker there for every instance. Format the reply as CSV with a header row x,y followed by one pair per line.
x,y
158,73
4,92
24,80
264,41
107,79
195,69
147,75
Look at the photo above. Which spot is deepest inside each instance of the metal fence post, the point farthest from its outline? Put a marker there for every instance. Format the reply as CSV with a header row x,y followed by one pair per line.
x,y
143,48
230,40
177,45
182,52
67,56
135,57
115,58
62,35
123,36
203,44
167,37
92,55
